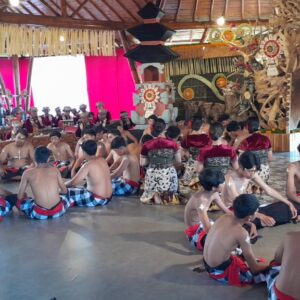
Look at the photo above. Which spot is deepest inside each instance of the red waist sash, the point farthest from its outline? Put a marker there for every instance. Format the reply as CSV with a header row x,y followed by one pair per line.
x,y
281,296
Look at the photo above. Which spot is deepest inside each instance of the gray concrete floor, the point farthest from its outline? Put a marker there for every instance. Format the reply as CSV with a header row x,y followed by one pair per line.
x,y
123,251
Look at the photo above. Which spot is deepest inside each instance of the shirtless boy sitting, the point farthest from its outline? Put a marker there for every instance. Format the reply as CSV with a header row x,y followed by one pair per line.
x,y
293,183
62,153
88,135
224,236
236,183
284,277
18,156
96,173
46,184
195,213
126,177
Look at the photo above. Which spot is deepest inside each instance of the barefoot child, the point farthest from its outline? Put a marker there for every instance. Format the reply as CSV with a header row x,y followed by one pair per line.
x,y
224,237
96,173
62,154
195,213
46,184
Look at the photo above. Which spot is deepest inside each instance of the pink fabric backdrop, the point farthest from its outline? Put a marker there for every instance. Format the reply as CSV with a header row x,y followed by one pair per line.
x,y
6,70
109,80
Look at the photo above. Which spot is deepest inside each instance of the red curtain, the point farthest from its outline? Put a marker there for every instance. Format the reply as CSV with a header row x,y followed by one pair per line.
x,y
109,80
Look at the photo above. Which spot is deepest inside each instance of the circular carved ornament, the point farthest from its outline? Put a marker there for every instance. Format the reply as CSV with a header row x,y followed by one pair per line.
x,y
271,48
188,94
228,35
221,82
150,95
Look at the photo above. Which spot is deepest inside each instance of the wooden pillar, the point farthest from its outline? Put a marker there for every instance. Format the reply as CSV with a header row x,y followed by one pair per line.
x,y
16,73
132,64
28,85
3,88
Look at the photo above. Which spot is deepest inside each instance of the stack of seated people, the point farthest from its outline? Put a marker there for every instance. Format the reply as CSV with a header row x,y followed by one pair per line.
x,y
224,163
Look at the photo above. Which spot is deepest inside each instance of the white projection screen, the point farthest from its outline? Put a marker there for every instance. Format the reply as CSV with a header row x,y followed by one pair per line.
x,y
59,81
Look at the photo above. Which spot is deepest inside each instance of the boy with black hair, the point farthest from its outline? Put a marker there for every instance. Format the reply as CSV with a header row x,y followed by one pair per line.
x,y
146,138
224,237
158,127
89,134
284,277
62,154
46,185
193,144
236,183
96,173
238,132
150,122
195,212
112,157
126,177
18,155
126,121
172,132
217,155
259,144
101,136
224,119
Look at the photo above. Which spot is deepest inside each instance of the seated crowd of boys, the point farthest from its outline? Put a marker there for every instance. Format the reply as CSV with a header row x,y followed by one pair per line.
x,y
228,160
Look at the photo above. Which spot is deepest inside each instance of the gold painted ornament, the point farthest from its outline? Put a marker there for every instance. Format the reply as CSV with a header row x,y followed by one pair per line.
x,y
188,94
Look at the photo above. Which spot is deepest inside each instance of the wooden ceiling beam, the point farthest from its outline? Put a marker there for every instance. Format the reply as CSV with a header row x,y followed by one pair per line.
x,y
72,9
62,22
259,9
127,10
178,10
50,7
79,8
55,4
137,4
99,9
108,25
113,10
26,9
36,8
16,9
6,7
210,24
204,35
211,9
63,8
196,10
88,11
162,4
225,8
243,9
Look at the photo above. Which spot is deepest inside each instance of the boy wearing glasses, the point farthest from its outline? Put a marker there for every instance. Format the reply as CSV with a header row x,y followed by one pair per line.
x,y
236,183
